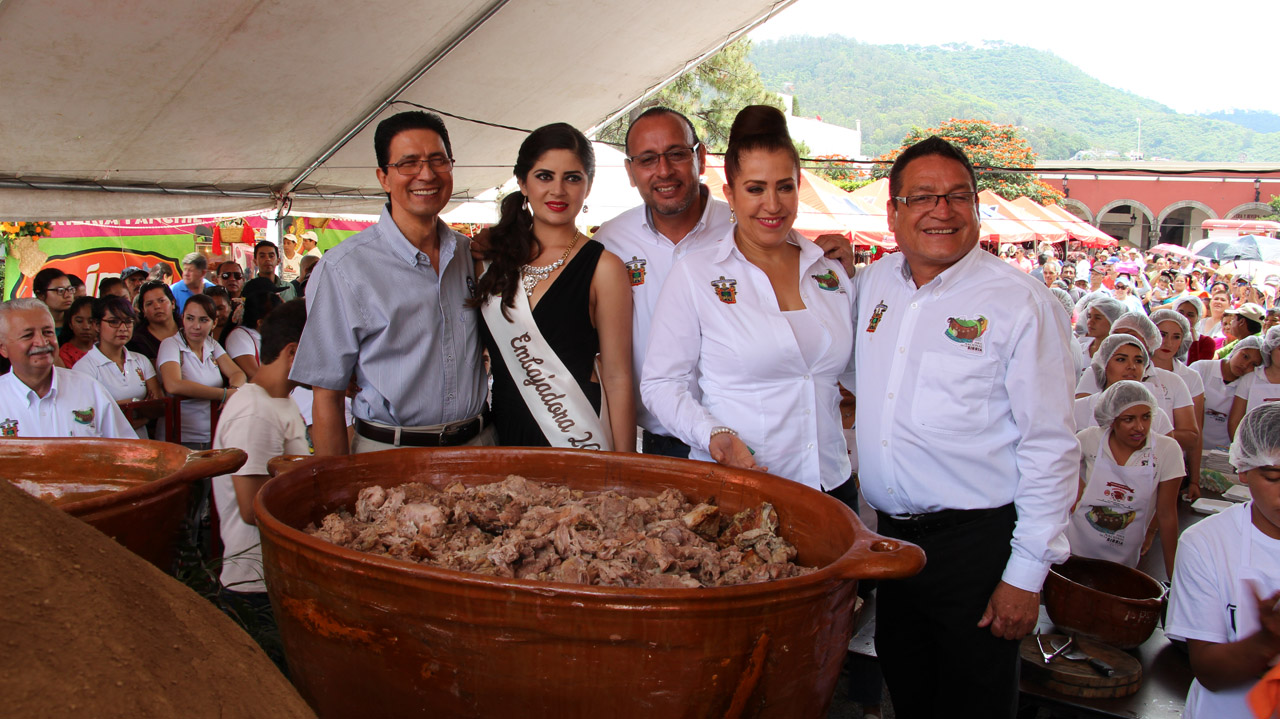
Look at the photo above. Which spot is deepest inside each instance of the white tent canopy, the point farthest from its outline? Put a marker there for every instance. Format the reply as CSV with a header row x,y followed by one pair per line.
x,y
182,107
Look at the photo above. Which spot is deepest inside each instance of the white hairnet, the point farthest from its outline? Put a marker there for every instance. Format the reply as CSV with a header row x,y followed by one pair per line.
x,y
1257,442
1252,342
1190,299
1120,396
1109,345
1110,307
1170,316
1141,324
1269,343
1065,299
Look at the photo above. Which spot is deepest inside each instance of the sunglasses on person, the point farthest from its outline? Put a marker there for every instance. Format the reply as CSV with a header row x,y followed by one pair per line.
x,y
232,275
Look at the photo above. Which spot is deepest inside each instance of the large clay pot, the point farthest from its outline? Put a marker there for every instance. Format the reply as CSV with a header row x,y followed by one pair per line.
x,y
1103,600
365,633
134,491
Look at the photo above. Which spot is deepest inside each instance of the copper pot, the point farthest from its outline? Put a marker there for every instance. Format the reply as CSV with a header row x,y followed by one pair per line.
x,y
1103,600
134,491
363,631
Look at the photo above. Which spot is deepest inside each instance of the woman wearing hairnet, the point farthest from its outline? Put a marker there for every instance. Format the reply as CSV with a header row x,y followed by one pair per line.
x,y
1170,391
1225,601
1127,475
1220,384
1260,386
1120,357
1202,346
1098,315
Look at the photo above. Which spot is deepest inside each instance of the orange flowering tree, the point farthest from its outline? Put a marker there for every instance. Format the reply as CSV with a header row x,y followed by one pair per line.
x,y
10,231
996,152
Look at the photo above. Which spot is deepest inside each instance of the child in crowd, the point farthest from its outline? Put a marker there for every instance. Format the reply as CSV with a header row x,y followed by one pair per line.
x,y
1226,588
1128,476
262,420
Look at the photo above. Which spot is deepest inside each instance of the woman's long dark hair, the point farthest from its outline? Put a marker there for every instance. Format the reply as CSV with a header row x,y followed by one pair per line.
x,y
148,286
511,241
203,303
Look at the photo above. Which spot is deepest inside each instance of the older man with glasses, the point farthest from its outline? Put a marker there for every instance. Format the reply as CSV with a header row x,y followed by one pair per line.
x,y
391,306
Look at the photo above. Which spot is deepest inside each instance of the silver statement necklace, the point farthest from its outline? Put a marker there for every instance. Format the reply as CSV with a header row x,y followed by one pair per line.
x,y
530,276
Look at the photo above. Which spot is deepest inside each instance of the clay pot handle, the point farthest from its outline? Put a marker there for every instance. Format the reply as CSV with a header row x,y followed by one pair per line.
x,y
877,557
211,463
284,463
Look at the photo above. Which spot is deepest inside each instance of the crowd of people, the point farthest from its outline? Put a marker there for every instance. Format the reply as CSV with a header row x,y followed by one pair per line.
x,y
1002,414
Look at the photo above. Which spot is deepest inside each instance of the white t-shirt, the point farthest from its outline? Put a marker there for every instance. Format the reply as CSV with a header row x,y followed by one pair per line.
x,y
125,385
264,427
1167,454
244,341
305,398
1193,380
1218,398
289,268
196,413
1208,602
1246,384
1170,391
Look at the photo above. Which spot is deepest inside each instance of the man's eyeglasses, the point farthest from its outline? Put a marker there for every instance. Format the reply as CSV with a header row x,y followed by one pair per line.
x,y
115,322
64,291
232,275
437,163
678,156
958,200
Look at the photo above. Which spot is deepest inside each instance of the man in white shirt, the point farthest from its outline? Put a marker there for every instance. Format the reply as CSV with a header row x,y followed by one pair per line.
x,y
40,400
290,259
665,160
309,244
963,448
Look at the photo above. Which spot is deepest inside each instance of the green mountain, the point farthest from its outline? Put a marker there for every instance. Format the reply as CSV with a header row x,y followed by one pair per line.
x,y
1256,120
891,88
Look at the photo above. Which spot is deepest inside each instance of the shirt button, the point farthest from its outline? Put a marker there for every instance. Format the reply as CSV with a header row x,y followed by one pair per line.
x,y
890,395
810,445
914,305
806,376
808,411
890,491
884,443
901,350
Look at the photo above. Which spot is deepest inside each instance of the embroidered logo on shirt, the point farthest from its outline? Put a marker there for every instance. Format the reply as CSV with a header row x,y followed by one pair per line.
x,y
966,331
828,281
9,428
876,315
726,290
636,268
83,416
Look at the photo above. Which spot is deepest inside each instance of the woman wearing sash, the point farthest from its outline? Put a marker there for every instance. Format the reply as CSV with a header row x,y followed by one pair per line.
x,y
751,334
553,300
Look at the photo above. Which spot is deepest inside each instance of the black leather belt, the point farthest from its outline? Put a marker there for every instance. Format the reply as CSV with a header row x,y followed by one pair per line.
x,y
453,436
912,526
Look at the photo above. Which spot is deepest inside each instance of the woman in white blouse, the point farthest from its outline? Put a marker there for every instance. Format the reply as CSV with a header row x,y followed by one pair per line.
x,y
128,376
750,335
244,342
192,364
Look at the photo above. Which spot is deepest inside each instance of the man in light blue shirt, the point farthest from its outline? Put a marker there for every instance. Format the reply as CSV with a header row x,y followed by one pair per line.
x,y
389,308
194,267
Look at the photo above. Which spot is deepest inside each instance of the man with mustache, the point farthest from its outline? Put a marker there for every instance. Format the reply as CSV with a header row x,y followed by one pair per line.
x,y
40,400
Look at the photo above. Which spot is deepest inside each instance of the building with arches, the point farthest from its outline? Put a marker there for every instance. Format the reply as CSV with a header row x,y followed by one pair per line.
x,y
1147,203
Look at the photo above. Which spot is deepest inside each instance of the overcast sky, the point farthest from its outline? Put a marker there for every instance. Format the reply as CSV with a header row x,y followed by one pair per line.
x,y
1192,57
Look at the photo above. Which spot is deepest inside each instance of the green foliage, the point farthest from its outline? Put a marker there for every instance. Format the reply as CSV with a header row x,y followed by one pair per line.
x,y
1275,209
1059,109
710,96
988,146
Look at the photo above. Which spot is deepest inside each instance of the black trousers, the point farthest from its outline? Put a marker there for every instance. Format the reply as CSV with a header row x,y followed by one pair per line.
x,y
663,445
936,661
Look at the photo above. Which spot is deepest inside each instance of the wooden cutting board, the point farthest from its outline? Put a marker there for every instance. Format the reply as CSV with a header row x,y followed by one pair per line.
x,y
1078,678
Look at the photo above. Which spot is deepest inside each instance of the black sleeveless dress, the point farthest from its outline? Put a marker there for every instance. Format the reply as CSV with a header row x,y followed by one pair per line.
x,y
563,315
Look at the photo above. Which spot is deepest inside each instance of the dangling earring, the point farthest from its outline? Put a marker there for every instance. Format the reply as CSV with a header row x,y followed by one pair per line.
x,y
525,205
733,217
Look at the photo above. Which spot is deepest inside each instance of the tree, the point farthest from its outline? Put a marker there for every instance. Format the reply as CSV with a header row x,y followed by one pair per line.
x,y
710,95
990,148
1275,209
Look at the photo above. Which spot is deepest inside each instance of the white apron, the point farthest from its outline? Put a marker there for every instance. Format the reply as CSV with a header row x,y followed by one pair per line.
x,y
1110,521
1202,703
1262,392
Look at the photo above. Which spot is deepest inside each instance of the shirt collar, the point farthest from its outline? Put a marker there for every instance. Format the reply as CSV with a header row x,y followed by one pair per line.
x,y
402,248
947,277
809,251
704,196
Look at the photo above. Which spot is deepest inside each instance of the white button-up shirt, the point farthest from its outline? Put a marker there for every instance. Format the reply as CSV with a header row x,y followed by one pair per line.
x,y
76,405
717,325
962,403
649,255
124,385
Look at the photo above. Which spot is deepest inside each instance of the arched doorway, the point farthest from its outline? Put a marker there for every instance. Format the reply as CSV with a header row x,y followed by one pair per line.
x,y
1077,208
1249,211
1129,220
1179,223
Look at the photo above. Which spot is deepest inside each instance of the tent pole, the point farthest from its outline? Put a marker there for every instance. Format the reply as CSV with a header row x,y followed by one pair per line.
x,y
368,118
